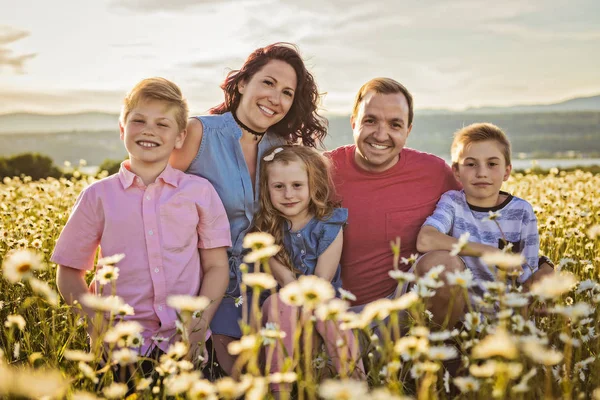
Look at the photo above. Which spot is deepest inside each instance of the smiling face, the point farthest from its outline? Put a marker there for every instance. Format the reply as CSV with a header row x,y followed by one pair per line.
x,y
267,96
481,168
151,133
288,190
380,129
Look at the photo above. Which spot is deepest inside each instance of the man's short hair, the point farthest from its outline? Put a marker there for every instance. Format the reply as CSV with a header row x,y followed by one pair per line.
x,y
479,132
383,86
157,89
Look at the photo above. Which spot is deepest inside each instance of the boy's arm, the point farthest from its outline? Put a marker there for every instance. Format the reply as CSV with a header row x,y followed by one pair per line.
x,y
329,261
282,274
431,239
215,278
531,244
434,234
72,287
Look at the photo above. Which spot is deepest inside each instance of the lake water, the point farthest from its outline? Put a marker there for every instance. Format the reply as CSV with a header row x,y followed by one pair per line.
x,y
544,163
552,163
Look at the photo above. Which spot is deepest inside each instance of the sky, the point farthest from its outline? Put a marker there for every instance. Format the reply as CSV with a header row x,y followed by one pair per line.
x,y
83,55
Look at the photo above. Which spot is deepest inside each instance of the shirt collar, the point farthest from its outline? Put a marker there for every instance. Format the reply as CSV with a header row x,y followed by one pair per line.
x,y
127,178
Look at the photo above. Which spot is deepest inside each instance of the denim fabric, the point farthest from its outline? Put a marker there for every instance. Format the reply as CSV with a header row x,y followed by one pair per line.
x,y
221,161
307,244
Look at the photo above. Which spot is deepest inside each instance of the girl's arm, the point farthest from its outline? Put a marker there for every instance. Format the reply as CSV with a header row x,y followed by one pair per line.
x,y
182,158
329,260
430,239
282,274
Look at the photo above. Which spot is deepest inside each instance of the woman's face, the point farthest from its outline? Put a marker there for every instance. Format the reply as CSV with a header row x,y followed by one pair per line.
x,y
267,96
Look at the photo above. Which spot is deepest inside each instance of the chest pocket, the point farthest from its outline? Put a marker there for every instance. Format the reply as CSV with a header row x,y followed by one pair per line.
x,y
406,223
179,220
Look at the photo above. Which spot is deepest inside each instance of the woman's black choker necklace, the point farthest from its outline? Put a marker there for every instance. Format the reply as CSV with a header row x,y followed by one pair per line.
x,y
256,134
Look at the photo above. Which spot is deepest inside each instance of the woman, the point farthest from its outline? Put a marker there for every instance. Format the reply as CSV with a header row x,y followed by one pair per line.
x,y
271,100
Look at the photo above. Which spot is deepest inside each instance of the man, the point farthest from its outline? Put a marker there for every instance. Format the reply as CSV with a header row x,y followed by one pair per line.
x,y
389,191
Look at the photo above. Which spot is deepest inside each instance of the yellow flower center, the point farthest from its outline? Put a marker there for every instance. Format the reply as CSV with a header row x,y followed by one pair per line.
x,y
24,268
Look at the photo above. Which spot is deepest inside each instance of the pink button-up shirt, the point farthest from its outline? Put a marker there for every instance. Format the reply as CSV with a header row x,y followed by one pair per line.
x,y
159,228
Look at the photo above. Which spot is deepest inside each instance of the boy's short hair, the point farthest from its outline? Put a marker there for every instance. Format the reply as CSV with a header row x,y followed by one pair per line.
x,y
157,89
479,132
383,86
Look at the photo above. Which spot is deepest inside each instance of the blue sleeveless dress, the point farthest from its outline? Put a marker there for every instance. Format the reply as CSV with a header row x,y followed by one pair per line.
x,y
221,161
306,245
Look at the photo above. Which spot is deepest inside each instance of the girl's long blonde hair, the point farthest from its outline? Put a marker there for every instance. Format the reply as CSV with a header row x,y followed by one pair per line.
x,y
320,187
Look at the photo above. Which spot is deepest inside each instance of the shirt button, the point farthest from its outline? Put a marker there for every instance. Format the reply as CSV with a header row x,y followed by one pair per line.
x,y
155,269
147,197
150,232
301,251
298,234
159,308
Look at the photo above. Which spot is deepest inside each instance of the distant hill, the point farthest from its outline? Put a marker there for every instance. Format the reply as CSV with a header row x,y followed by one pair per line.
x,y
97,121
539,133
577,104
48,123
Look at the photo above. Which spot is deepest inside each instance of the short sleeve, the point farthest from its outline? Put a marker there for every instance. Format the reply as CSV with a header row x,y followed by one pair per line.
x,y
442,218
530,239
77,244
330,228
213,226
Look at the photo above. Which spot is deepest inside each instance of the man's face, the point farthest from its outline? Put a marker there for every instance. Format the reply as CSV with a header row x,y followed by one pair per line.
x,y
380,130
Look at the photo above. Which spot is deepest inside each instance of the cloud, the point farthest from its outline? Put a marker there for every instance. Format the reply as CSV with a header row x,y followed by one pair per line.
x,y
527,32
9,35
152,6
129,45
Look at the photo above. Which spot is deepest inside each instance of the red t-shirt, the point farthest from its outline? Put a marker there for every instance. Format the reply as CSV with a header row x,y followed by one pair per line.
x,y
381,207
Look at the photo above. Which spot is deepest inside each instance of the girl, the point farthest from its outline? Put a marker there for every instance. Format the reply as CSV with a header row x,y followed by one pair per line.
x,y
271,100
296,208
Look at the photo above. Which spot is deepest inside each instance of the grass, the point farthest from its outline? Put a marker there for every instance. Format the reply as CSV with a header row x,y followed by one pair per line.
x,y
553,353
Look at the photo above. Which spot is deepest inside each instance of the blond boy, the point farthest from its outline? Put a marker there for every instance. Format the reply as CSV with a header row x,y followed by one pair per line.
x,y
172,227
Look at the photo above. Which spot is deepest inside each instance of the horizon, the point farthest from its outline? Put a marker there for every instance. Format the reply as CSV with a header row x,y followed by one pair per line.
x,y
451,56
324,112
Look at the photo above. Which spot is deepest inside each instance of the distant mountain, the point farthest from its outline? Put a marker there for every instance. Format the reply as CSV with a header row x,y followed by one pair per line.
x,y
48,123
591,103
19,123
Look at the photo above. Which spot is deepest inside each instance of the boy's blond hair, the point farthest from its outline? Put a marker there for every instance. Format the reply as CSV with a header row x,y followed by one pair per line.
x,y
479,132
157,89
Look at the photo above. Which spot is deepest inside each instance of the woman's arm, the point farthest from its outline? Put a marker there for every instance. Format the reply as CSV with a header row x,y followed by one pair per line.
x,y
182,158
329,261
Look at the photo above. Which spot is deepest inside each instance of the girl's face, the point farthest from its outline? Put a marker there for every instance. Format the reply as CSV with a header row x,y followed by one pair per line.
x,y
288,190
267,96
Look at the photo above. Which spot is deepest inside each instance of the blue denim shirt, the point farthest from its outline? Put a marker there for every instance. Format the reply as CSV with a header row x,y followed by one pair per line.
x,y
307,244
220,160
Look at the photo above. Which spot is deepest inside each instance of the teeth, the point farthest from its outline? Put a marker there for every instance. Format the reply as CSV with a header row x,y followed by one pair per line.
x,y
270,112
378,146
147,144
